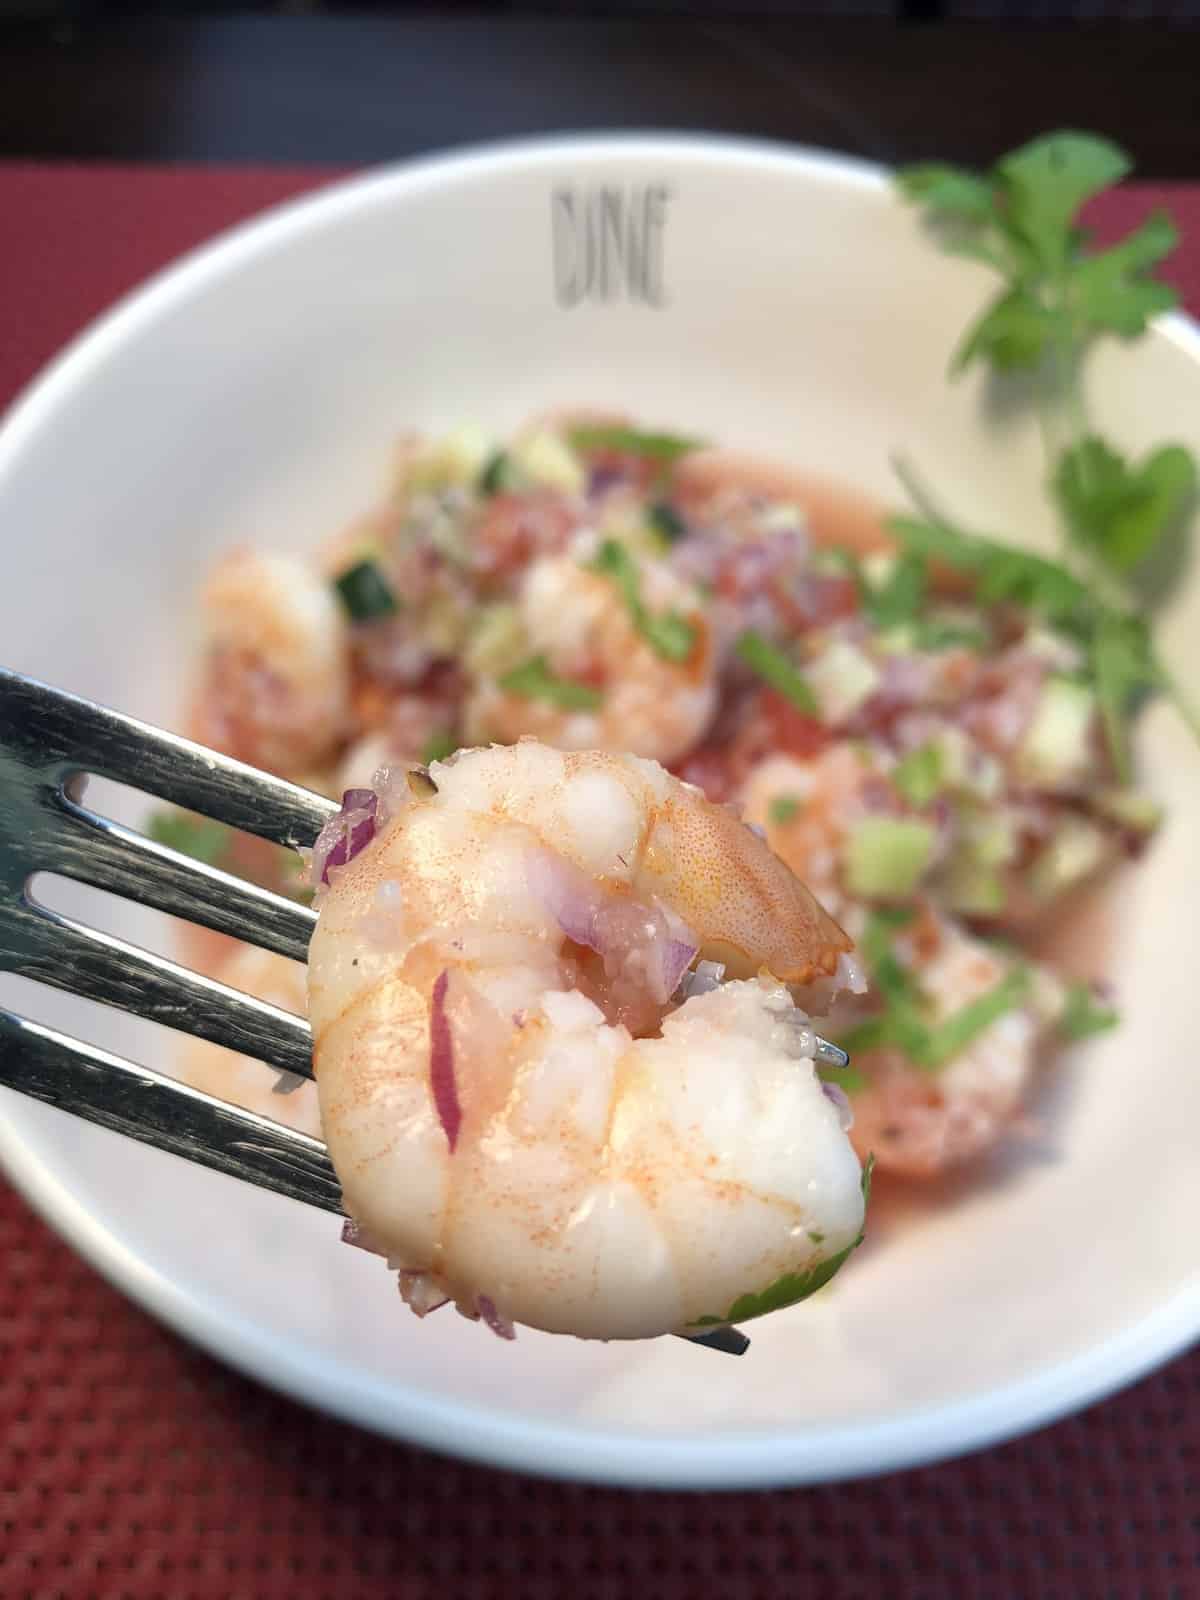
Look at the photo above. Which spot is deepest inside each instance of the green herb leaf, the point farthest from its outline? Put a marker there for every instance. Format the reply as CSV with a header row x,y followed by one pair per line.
x,y
783,809
774,668
198,837
900,596
671,635
534,680
1124,667
1001,571
1111,290
950,1038
1119,512
796,1286
948,192
439,747
666,521
1014,332
1084,1014
365,592
919,775
496,474
664,447
1045,183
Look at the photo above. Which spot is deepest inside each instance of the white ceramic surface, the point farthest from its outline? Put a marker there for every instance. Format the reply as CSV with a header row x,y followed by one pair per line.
x,y
253,392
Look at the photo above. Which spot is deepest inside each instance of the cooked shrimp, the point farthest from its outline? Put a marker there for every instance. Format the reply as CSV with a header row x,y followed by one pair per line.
x,y
807,809
276,681
581,624
240,1079
523,1116
919,1123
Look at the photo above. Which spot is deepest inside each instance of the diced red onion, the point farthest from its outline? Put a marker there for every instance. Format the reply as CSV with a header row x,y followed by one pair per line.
x,y
603,477
421,1292
627,934
841,1101
677,957
441,1063
352,1234
500,1326
345,834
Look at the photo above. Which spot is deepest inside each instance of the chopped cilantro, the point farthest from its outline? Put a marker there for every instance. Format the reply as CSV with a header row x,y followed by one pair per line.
x,y
439,746
534,680
784,808
1085,1014
774,668
664,447
668,633
198,837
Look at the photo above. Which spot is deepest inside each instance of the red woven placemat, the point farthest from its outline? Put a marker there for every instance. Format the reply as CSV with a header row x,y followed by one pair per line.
x,y
133,1466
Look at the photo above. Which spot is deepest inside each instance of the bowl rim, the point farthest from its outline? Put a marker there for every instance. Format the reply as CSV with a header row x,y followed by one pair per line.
x,y
755,1458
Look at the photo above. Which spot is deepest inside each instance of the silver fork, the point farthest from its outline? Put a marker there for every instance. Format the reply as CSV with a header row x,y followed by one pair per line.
x,y
49,740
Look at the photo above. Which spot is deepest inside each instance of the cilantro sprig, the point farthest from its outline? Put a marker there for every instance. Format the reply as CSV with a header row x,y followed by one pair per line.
x,y
1058,293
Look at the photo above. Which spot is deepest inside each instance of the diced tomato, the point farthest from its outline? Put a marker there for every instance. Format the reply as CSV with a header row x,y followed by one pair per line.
x,y
709,768
794,732
514,529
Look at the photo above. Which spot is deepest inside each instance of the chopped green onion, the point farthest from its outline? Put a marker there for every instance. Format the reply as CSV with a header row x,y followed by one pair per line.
x,y
671,635
783,808
365,592
773,667
664,447
1083,1014
665,520
935,634
533,680
198,837
919,776
439,746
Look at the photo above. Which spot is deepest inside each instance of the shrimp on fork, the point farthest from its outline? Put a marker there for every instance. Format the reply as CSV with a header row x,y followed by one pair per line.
x,y
536,1108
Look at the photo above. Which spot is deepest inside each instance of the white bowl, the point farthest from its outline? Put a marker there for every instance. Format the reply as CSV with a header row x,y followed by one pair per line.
x,y
253,391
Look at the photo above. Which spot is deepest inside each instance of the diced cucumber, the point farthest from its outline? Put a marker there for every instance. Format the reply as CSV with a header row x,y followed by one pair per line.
x,y
990,838
973,889
878,566
783,518
1076,848
900,640
918,776
886,857
457,458
1128,808
497,642
1056,749
547,459
841,679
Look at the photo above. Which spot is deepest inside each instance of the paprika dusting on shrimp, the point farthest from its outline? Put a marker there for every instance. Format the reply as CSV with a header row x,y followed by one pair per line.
x,y
535,1109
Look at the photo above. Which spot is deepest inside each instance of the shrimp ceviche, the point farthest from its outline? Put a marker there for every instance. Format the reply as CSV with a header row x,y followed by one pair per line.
x,y
599,702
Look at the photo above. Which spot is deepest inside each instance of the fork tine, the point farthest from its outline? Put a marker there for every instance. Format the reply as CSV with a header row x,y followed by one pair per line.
x,y
56,734
43,944
96,850
156,1110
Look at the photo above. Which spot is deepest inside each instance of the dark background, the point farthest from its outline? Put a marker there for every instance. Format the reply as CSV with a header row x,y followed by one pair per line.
x,y
888,79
